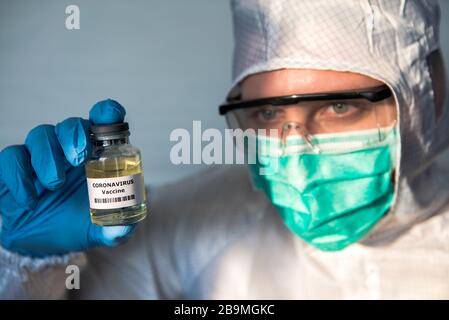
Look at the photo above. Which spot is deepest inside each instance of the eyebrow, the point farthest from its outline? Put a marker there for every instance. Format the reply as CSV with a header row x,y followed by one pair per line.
x,y
371,94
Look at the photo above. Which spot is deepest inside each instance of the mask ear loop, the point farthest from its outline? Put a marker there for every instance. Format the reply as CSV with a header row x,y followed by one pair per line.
x,y
378,125
379,133
302,131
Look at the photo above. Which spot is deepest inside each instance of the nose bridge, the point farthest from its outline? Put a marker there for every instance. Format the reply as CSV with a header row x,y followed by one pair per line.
x,y
291,128
298,112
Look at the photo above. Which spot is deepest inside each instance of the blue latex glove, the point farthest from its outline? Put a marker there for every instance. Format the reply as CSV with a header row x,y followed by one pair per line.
x,y
44,202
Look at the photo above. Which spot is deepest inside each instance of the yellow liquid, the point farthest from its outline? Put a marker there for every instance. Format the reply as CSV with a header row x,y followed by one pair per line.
x,y
111,168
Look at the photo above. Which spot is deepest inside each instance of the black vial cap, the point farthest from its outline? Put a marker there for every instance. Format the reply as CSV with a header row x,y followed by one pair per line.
x,y
109,131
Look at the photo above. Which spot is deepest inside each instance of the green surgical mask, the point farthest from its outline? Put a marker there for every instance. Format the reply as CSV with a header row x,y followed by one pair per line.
x,y
333,198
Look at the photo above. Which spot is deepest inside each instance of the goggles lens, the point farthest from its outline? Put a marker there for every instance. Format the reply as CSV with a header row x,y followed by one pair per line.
x,y
307,122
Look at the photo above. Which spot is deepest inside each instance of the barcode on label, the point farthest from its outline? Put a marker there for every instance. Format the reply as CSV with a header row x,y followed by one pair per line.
x,y
118,199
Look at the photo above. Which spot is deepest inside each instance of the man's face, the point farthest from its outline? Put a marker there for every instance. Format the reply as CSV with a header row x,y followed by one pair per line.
x,y
329,165
318,117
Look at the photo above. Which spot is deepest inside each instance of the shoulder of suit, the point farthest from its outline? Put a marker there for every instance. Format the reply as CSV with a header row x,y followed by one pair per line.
x,y
193,221
218,192
216,204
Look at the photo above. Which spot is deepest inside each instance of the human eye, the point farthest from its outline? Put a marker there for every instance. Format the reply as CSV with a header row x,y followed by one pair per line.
x,y
342,109
267,114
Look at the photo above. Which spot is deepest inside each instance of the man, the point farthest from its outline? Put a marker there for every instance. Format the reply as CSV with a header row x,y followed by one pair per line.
x,y
351,96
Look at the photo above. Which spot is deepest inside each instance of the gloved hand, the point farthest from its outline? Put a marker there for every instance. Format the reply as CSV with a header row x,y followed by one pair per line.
x,y
44,202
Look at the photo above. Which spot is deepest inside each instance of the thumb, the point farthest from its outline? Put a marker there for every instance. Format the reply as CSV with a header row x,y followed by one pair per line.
x,y
107,112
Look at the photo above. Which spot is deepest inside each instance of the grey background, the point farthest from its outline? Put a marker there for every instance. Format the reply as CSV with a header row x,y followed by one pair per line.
x,y
167,61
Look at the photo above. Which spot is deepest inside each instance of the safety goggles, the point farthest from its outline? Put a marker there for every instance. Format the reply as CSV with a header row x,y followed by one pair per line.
x,y
310,116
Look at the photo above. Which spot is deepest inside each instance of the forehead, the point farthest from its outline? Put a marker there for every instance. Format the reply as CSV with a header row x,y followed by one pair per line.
x,y
293,81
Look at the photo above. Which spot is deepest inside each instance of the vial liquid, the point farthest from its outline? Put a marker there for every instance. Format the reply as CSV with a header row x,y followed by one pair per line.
x,y
115,178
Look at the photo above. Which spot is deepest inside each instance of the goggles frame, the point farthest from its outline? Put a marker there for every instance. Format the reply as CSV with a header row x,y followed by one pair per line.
x,y
373,95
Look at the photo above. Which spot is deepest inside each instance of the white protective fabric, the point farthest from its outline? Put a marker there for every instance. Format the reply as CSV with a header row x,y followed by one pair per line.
x,y
213,236
386,40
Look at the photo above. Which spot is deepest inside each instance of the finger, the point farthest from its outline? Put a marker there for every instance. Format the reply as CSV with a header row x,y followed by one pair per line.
x,y
107,112
110,236
47,157
16,173
73,136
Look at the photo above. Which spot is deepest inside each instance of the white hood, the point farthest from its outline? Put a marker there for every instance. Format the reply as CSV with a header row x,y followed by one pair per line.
x,y
384,39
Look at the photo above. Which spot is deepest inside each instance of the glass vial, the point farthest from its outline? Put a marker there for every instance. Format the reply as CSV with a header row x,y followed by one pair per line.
x,y
115,177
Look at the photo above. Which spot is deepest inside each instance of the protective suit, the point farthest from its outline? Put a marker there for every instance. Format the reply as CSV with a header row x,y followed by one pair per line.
x,y
219,238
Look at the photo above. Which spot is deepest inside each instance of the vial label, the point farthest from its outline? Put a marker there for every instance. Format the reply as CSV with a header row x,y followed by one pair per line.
x,y
118,192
